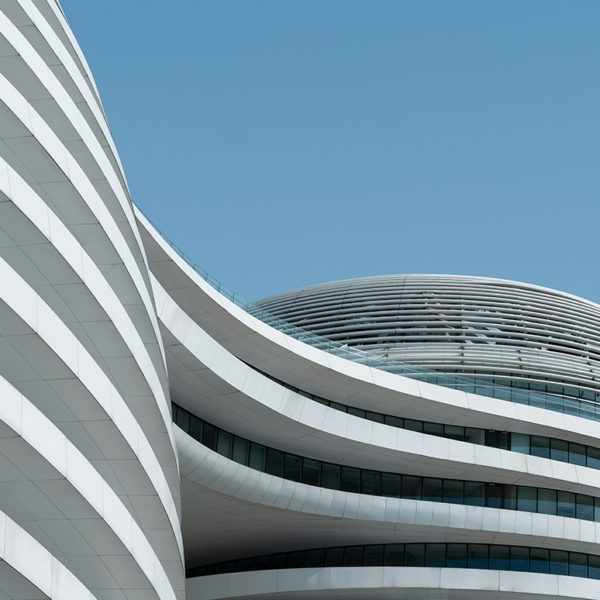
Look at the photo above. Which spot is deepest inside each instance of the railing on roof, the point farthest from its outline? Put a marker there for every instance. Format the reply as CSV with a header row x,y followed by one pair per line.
x,y
572,406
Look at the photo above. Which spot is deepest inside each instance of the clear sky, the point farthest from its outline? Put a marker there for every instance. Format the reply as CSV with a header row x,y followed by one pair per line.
x,y
284,143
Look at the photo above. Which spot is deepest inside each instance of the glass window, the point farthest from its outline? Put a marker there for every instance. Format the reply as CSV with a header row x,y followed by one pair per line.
x,y
330,476
519,558
370,482
391,485
311,472
394,421
394,555
566,504
296,560
315,559
510,497
547,502
435,555
597,510
350,481
594,567
374,556
432,489
519,442
257,457
433,429
539,560
337,406
453,491
244,564
353,557
559,562
585,507
183,419
494,495
228,567
411,487
357,412
503,440
213,570
527,499
475,436
209,436
474,493
334,557
414,555
196,426
412,425
559,450
452,432
241,450
456,556
225,444
292,467
373,416
593,458
540,446
477,557
499,558
261,563
496,439
278,561
577,564
274,464
577,454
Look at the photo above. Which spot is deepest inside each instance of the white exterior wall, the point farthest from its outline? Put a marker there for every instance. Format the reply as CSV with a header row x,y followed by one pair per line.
x,y
88,465
101,323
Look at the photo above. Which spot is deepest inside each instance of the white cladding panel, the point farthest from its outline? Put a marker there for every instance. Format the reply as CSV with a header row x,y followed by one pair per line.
x,y
88,462
100,321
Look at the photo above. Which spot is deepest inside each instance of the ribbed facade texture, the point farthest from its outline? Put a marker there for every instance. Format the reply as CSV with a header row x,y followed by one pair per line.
x,y
414,436
512,333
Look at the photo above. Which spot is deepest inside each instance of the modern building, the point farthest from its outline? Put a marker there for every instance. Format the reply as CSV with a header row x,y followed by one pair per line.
x,y
392,437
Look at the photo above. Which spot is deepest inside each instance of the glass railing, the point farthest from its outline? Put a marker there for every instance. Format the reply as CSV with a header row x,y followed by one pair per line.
x,y
573,406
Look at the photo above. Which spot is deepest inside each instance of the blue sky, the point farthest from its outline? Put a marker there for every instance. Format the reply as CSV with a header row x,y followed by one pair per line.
x,y
283,144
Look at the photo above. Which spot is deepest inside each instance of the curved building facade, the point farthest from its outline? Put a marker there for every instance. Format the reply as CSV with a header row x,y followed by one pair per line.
x,y
313,469
89,484
506,332
407,437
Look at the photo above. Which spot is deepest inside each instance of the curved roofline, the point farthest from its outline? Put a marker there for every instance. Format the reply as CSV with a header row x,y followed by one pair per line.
x,y
493,280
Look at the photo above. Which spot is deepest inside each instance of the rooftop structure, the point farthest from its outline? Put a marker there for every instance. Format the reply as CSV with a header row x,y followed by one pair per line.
x,y
510,333
394,437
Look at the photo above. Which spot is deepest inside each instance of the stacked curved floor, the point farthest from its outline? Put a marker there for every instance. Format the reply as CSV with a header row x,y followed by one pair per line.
x,y
160,439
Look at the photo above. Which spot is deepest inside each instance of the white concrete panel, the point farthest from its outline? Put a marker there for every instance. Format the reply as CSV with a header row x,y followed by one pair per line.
x,y
64,459
78,360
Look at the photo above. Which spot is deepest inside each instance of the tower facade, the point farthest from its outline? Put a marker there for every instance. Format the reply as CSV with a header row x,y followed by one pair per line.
x,y
417,436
